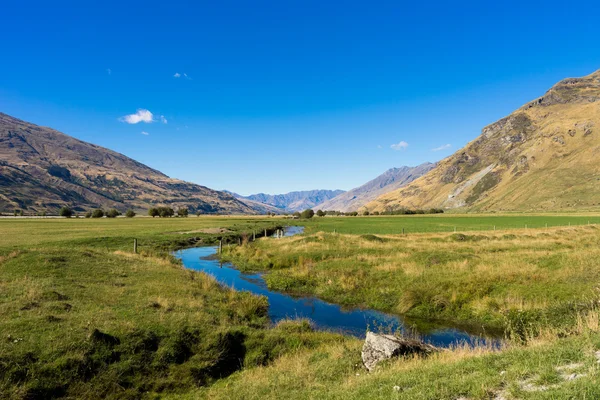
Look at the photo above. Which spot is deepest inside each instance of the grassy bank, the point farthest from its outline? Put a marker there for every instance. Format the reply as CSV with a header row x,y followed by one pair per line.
x,y
83,317
496,279
546,369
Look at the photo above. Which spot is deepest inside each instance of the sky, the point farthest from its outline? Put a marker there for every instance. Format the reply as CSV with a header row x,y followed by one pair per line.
x,y
277,96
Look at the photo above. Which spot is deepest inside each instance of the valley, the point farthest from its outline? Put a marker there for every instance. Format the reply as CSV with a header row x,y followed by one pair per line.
x,y
84,314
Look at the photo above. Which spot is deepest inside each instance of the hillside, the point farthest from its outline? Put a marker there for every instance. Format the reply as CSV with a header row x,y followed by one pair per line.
x,y
293,201
43,169
544,156
390,180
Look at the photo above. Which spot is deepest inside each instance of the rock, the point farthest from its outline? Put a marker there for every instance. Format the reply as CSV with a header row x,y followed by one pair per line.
x,y
382,347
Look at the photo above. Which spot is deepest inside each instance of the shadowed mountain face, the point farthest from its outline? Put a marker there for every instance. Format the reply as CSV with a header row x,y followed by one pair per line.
x,y
43,169
392,179
293,201
544,156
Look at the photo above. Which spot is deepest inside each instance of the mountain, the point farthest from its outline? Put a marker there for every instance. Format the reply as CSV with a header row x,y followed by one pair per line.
x,y
544,156
260,208
293,201
43,169
390,180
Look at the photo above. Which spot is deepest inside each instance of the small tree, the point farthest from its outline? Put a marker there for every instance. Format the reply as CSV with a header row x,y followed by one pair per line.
x,y
130,214
296,214
99,213
153,212
182,212
88,214
65,212
112,213
307,214
320,213
366,212
165,212
16,212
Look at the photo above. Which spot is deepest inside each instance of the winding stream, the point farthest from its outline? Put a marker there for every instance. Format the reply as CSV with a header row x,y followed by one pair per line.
x,y
326,316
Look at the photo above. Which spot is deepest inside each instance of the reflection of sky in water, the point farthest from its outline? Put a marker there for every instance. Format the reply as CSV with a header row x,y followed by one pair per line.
x,y
325,316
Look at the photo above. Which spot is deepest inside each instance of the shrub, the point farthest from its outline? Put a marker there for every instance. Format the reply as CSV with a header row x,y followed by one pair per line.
x,y
99,213
165,212
153,212
320,213
88,214
130,214
308,213
112,213
182,212
65,212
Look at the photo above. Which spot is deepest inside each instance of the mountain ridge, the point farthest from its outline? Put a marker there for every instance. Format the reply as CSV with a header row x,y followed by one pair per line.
x,y
391,179
292,201
545,156
44,169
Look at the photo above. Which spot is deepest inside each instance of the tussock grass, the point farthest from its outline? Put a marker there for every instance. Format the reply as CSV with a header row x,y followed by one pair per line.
x,y
544,275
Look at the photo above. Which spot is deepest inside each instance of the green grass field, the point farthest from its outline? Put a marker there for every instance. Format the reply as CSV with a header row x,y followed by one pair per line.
x,y
81,316
393,225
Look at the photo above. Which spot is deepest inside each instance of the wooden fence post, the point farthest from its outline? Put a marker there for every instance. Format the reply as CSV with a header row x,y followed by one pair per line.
x,y
220,246
135,246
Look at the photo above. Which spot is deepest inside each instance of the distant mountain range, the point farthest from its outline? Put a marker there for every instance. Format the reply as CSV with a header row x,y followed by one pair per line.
x,y
543,156
392,179
290,202
43,169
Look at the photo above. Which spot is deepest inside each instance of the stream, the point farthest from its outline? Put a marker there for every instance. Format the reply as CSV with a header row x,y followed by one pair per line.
x,y
326,316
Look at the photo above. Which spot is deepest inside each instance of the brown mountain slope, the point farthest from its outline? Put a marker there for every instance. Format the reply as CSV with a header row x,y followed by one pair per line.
x,y
43,169
390,180
544,156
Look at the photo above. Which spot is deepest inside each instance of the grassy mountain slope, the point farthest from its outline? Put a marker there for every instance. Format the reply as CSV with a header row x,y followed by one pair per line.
x,y
390,180
43,169
544,156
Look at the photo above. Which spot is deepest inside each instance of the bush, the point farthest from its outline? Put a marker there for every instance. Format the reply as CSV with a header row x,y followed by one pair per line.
x,y
88,214
112,213
307,214
153,212
99,213
320,213
182,212
130,214
65,212
165,212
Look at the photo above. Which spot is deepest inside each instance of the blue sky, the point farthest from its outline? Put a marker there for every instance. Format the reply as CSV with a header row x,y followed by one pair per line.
x,y
286,95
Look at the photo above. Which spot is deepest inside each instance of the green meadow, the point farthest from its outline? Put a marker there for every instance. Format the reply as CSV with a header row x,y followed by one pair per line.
x,y
393,225
82,316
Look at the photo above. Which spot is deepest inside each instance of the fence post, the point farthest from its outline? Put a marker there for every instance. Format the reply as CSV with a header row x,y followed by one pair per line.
x,y
220,246
403,231
455,229
253,236
135,246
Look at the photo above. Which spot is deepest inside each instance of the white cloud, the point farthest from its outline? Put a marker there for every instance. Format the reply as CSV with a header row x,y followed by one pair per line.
x,y
145,133
379,146
400,146
444,147
141,115
163,119
178,75
109,71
